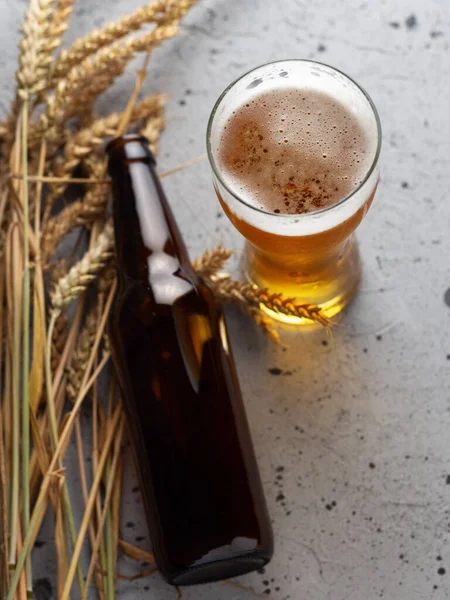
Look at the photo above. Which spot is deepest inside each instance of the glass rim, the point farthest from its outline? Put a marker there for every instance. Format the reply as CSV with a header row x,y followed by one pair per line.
x,y
285,216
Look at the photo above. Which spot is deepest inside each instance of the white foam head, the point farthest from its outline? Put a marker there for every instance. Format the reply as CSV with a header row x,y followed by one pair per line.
x,y
286,76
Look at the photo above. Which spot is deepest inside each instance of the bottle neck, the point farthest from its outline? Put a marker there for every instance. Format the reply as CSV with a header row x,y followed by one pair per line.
x,y
148,242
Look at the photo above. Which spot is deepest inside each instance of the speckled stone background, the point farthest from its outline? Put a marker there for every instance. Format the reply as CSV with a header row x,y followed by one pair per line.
x,y
352,431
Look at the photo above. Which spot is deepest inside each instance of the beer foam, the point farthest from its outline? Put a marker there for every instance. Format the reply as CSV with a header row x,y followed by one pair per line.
x,y
292,150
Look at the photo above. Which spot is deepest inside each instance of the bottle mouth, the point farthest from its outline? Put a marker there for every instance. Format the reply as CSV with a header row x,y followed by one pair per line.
x,y
130,146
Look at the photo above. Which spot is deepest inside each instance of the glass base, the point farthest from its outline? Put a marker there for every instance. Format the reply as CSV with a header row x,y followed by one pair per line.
x,y
330,289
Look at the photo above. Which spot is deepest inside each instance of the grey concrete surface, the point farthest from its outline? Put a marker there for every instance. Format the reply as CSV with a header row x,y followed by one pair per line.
x,y
353,443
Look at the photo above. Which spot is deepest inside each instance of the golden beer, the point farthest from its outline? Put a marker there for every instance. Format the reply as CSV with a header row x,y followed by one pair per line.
x,y
294,149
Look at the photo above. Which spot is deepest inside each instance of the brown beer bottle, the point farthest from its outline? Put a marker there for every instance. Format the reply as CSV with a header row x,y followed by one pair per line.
x,y
204,500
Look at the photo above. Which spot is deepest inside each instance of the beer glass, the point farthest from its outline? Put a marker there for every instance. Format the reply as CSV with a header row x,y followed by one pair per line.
x,y
313,256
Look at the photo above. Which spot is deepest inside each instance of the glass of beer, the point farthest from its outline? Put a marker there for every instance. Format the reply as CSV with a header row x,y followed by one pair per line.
x,y
294,147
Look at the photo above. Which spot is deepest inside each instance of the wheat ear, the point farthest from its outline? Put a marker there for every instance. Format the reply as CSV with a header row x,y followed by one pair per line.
x,y
60,21
210,263
34,60
83,273
229,290
84,142
60,331
77,366
152,130
35,52
85,81
162,12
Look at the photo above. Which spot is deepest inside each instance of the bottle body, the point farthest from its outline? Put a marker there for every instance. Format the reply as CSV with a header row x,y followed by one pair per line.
x,y
204,500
